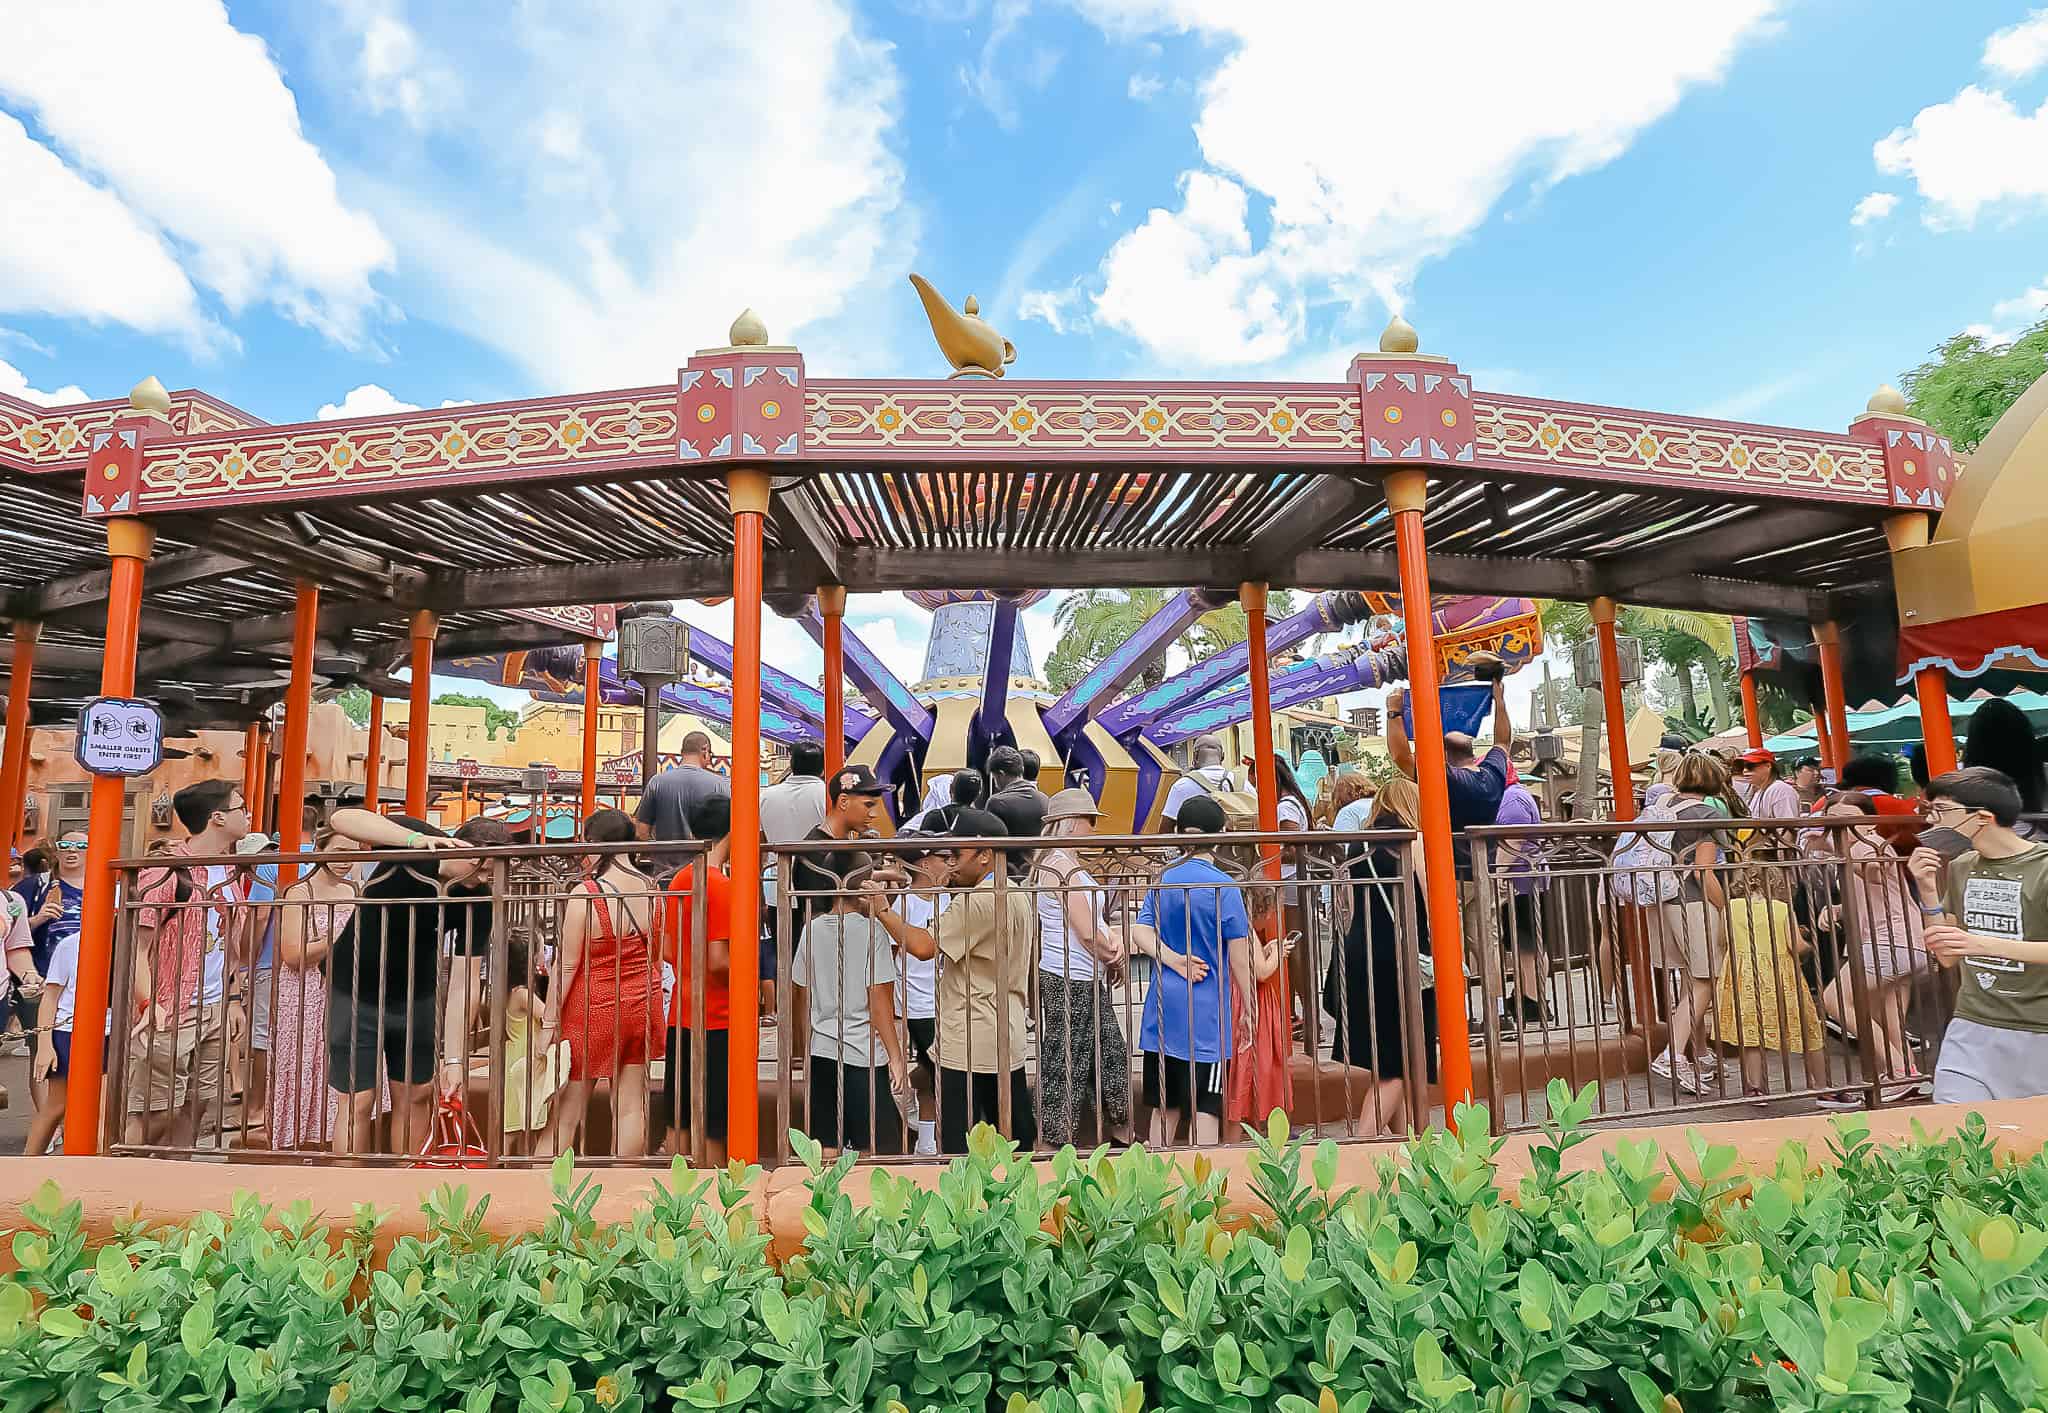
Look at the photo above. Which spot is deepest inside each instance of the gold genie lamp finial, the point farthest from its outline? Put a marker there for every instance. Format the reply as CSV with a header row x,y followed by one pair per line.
x,y
974,348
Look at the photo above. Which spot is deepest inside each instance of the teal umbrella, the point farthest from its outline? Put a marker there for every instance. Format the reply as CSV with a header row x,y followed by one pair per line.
x,y
1895,728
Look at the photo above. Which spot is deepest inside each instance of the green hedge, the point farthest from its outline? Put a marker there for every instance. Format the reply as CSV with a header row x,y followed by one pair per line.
x,y
1894,1278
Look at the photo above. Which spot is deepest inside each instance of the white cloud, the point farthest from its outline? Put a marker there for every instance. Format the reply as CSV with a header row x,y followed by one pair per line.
x,y
1052,307
1143,88
730,156
1553,92
2012,317
1874,207
2019,50
14,383
392,74
374,400
993,77
189,121
72,250
1974,151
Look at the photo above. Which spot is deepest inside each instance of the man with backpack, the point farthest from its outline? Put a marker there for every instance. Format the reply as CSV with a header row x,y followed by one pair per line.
x,y
1208,776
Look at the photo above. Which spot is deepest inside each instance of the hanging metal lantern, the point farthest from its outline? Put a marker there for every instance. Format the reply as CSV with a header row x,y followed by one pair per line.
x,y
652,645
1586,661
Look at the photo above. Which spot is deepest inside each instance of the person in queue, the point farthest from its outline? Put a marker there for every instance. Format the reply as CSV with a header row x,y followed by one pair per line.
x,y
53,917
184,933
1351,801
1017,801
1766,796
2002,738
987,938
1368,984
1194,923
853,801
26,901
710,821
1521,881
1208,776
310,916
1476,784
790,809
1685,933
1806,784
384,968
665,805
1891,949
605,999
1876,778
1084,1059
844,971
1984,888
912,911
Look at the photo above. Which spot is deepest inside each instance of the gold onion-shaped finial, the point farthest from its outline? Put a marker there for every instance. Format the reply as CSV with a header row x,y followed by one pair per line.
x,y
747,331
149,397
1399,336
1886,399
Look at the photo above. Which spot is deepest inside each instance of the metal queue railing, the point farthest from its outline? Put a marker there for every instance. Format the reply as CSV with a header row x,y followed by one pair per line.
x,y
1075,989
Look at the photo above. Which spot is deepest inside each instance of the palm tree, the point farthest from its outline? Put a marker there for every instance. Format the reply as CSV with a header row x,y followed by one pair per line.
x,y
1096,622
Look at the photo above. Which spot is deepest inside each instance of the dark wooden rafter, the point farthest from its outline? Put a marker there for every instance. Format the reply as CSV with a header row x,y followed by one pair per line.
x,y
77,595
1335,499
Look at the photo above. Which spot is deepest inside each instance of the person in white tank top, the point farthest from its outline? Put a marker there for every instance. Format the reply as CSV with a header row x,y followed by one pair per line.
x,y
1084,1059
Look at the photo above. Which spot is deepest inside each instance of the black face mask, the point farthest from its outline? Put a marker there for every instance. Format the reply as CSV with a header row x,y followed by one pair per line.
x,y
1949,843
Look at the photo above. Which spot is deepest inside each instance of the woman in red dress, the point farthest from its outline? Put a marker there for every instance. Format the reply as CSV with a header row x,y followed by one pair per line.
x,y
607,1000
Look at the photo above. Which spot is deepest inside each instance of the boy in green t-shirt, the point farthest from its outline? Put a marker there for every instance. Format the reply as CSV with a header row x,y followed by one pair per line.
x,y
1995,925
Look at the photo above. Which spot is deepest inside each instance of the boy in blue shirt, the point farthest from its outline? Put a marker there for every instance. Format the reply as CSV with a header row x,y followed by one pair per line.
x,y
1194,923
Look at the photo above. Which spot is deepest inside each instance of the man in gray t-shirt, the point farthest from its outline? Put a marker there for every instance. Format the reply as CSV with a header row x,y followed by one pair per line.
x,y
666,803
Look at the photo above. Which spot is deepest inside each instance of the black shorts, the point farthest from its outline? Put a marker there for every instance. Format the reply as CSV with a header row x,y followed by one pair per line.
x,y
360,1033
60,1042
675,1083
924,1034
851,1107
968,1099
1183,1085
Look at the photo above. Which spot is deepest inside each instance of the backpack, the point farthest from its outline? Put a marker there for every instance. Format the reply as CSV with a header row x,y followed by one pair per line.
x,y
1644,860
1240,807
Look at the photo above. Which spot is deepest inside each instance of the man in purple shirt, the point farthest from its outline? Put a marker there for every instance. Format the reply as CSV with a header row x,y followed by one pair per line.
x,y
1521,912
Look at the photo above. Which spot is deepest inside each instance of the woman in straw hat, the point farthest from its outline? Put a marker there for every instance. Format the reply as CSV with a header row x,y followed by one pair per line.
x,y
1084,1059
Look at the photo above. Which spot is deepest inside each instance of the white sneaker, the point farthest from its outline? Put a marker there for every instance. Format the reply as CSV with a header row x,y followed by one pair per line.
x,y
1677,1070
1707,1066
927,1138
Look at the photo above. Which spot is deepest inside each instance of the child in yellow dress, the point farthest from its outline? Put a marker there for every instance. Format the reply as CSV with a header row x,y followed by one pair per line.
x,y
530,1079
1761,995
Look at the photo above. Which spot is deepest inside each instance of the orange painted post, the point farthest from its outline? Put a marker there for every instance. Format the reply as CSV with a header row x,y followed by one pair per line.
x,y
418,748
1752,713
298,712
1603,611
1930,684
1267,777
593,654
1407,491
1827,637
128,547
252,746
748,492
14,764
832,604
373,758
1821,739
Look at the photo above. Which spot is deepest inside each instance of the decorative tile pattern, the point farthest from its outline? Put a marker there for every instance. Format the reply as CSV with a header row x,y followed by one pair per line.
x,y
1920,465
451,444
584,620
1648,449
858,419
1414,412
38,438
743,403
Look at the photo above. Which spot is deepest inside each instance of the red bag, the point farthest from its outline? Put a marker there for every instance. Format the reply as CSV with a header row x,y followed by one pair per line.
x,y
1260,1080
453,1140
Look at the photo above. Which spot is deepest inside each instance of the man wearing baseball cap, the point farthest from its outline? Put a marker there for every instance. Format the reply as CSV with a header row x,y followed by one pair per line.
x,y
853,797
1767,796
987,942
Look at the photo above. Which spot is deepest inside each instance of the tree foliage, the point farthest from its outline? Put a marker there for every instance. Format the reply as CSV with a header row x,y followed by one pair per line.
x,y
1094,623
495,716
1969,383
355,704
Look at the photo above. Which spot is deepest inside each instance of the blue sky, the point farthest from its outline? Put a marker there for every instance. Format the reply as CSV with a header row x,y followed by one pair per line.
x,y
1760,210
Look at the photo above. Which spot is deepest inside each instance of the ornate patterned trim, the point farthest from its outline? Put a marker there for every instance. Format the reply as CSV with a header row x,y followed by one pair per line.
x,y
449,445
52,438
858,419
1530,433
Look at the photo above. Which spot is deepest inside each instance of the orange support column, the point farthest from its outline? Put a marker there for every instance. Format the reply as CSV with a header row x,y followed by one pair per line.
x,y
748,492
1603,611
252,773
832,604
1407,492
1752,713
298,712
417,747
1253,597
593,654
14,763
1930,684
128,546
373,758
1828,638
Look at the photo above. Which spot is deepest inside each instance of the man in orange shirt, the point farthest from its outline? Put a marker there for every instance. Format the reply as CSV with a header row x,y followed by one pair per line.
x,y
710,820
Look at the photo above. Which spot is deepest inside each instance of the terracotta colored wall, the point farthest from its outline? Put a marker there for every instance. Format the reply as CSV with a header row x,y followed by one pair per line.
x,y
162,1191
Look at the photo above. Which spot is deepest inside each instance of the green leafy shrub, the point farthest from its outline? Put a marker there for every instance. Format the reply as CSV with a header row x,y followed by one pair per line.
x,y
1909,1278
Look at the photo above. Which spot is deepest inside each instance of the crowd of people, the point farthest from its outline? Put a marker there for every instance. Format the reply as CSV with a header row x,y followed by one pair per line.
x,y
961,975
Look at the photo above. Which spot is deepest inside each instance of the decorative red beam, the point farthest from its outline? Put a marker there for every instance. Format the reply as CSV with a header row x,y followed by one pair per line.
x,y
54,439
754,404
